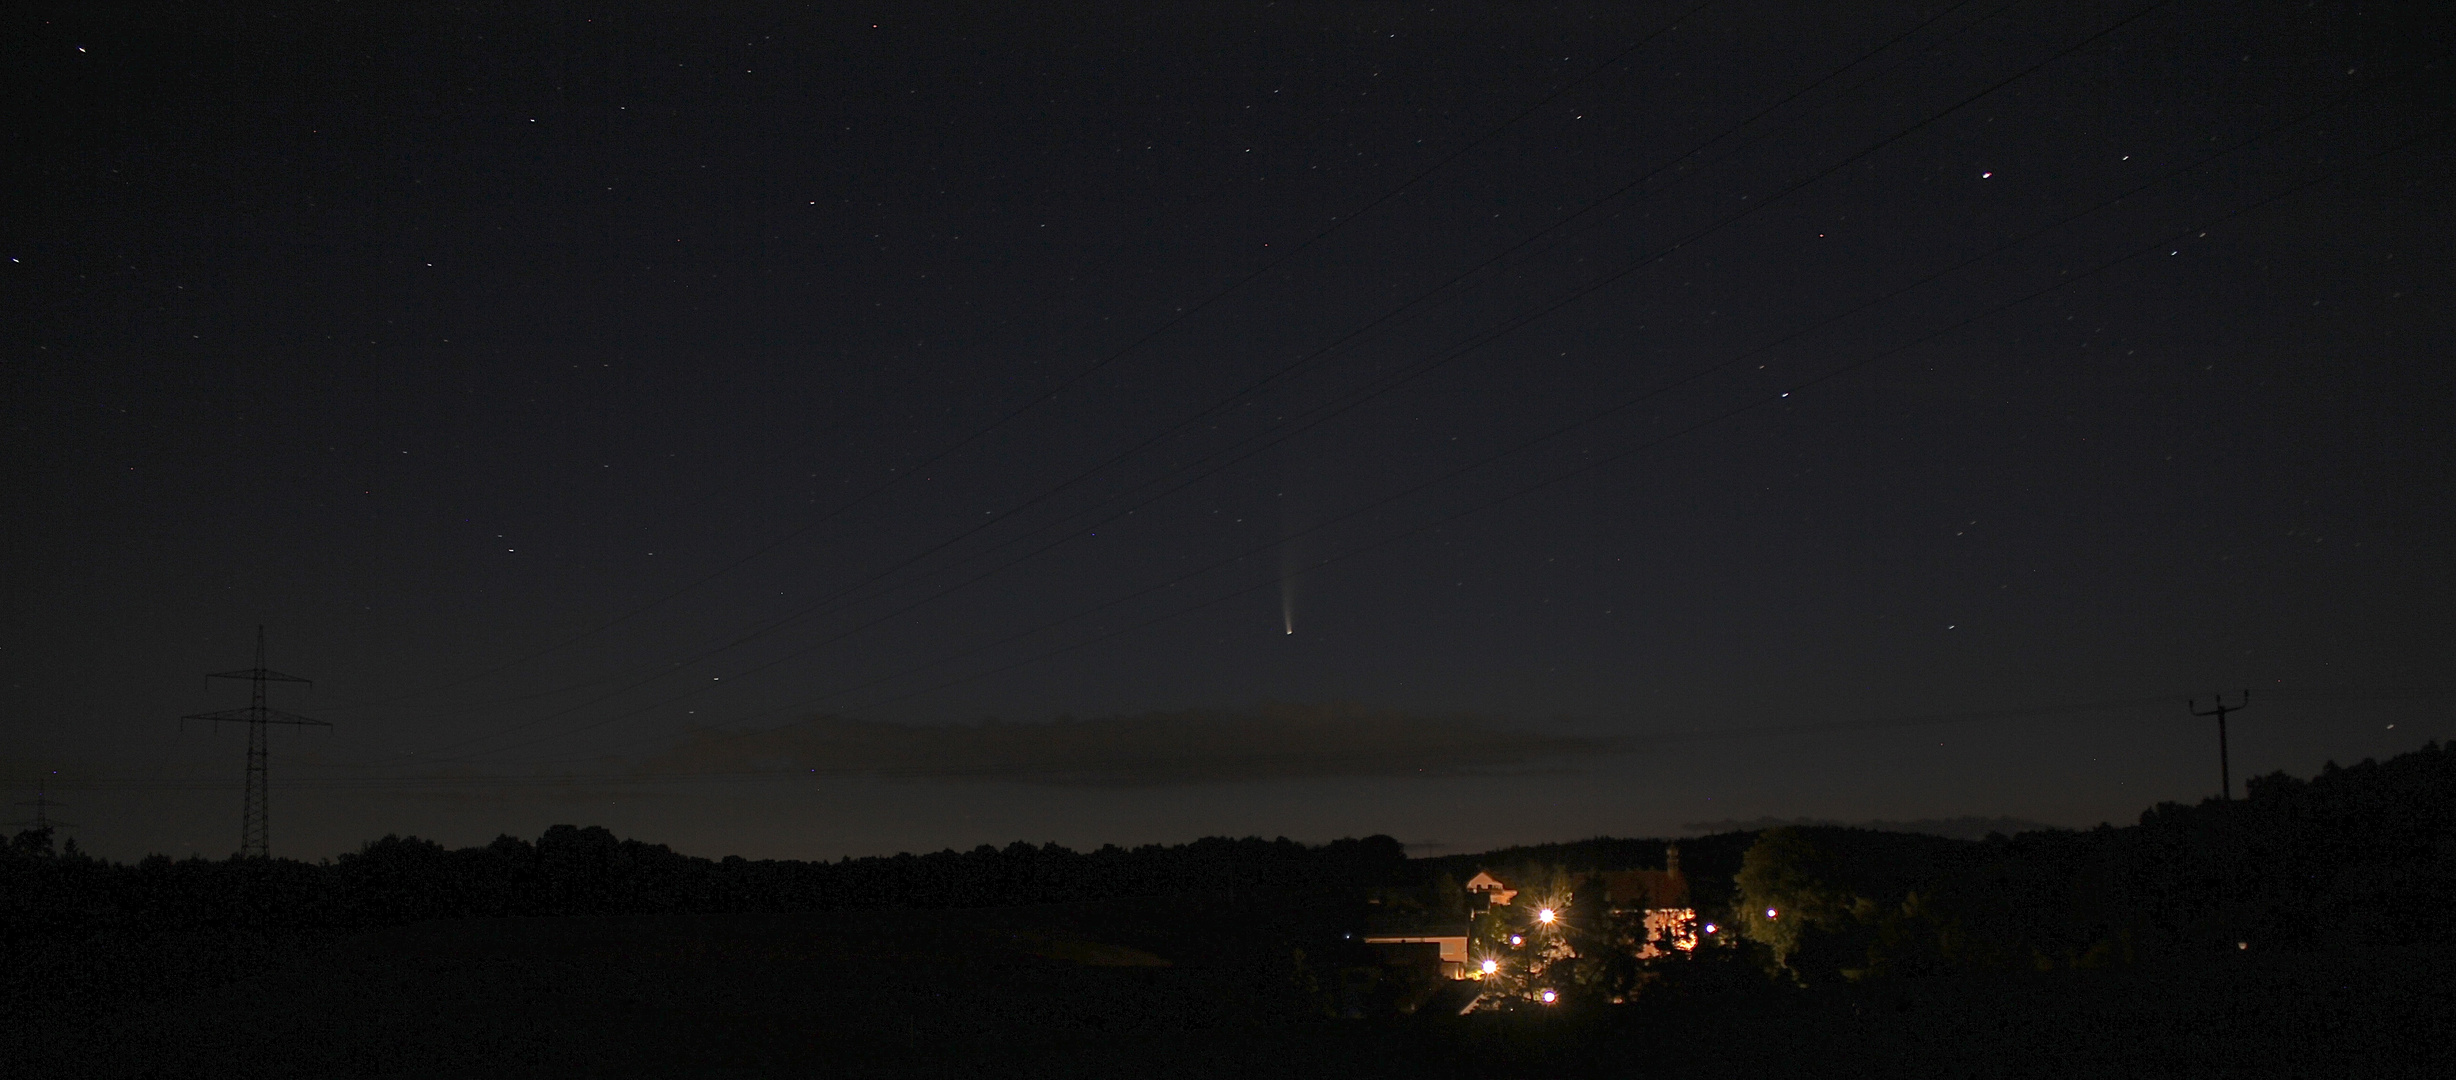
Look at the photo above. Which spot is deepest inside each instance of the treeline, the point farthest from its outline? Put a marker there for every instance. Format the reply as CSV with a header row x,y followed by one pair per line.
x,y
587,871
81,933
2359,857
1708,862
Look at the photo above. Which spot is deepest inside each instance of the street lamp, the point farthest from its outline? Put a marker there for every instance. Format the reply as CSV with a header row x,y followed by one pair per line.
x,y
1545,915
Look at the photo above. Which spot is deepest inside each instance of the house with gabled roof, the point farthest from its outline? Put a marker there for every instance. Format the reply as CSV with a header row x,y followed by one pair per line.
x,y
1485,890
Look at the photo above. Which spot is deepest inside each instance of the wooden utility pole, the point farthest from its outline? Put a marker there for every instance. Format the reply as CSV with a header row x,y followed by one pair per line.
x,y
2218,708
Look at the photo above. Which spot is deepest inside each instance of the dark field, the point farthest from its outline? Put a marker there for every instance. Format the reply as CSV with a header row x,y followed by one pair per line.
x,y
1151,987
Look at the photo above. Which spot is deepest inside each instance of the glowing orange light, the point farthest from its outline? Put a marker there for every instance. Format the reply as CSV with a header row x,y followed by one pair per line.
x,y
1670,928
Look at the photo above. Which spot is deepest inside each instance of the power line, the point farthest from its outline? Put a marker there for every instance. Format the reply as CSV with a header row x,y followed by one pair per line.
x,y
1541,485
1389,382
1588,289
1182,314
1782,394
1244,394
1635,743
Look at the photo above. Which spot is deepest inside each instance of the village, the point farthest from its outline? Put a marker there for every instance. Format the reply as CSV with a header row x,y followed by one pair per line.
x,y
1529,934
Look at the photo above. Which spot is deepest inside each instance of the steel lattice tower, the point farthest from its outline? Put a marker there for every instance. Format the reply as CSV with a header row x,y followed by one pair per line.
x,y
256,715
42,805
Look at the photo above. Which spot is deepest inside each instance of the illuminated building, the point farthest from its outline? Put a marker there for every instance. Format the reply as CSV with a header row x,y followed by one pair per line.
x,y
1659,899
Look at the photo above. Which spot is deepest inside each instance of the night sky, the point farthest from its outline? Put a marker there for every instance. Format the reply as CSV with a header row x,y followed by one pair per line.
x,y
809,430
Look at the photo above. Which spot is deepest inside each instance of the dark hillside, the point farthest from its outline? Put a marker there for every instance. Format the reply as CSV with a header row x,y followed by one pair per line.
x,y
82,933
2299,931
1080,991
1707,861
2354,857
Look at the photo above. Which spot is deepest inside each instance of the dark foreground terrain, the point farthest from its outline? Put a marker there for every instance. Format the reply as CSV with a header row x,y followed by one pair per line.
x,y
1153,987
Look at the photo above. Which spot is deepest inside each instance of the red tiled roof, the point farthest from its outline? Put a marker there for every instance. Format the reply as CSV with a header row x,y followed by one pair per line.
x,y
1645,889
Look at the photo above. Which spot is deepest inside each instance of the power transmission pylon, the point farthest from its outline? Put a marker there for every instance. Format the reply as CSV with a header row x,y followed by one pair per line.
x,y
41,820
256,715
2218,708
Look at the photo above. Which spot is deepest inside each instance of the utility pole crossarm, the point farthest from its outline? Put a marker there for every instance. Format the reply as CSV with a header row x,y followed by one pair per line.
x,y
2218,708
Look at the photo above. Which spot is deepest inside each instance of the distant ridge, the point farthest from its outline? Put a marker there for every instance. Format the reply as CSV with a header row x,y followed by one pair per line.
x,y
1959,828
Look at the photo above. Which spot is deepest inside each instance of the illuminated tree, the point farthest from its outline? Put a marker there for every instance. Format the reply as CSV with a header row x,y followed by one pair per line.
x,y
1787,903
1537,945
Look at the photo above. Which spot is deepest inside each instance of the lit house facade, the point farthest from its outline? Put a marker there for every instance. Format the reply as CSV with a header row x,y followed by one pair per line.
x,y
1658,898
1446,940
1653,905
